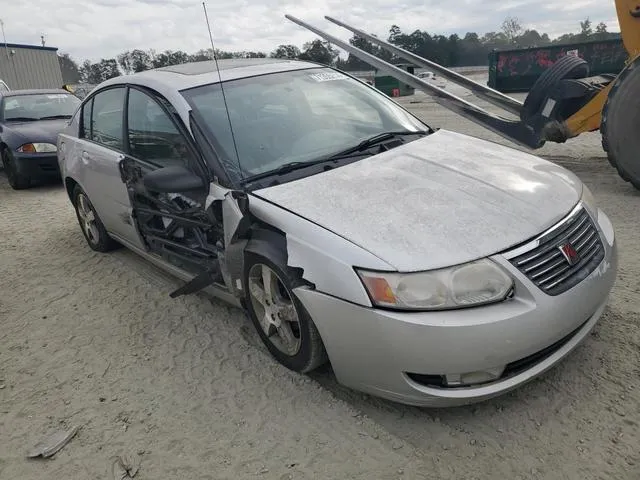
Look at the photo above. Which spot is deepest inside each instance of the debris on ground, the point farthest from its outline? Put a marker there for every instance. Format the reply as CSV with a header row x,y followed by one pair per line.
x,y
125,467
50,445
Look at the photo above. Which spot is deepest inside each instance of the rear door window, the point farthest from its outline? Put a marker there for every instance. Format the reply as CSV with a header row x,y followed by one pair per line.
x,y
106,118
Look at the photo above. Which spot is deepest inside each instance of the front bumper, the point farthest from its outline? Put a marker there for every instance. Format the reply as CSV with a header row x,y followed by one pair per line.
x,y
389,354
37,165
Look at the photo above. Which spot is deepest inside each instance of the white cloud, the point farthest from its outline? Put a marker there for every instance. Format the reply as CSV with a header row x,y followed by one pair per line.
x,y
104,28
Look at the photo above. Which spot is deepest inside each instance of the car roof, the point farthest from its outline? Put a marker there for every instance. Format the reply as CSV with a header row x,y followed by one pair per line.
x,y
193,74
172,80
33,91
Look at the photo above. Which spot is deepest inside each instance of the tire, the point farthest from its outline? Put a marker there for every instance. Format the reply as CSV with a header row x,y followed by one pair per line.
x,y
97,238
16,180
620,125
567,67
310,353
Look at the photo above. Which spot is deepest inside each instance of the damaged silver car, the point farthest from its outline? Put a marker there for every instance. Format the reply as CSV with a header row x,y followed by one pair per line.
x,y
425,266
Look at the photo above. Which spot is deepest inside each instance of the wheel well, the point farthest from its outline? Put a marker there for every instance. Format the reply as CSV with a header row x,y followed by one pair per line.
x,y
70,185
271,243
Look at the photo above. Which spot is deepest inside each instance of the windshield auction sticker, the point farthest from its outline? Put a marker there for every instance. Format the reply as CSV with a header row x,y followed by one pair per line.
x,y
327,76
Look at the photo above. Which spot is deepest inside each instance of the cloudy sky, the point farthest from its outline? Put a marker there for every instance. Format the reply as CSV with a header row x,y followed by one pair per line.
x,y
103,28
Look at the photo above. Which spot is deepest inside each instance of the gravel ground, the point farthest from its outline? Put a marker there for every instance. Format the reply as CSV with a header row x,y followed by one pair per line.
x,y
95,340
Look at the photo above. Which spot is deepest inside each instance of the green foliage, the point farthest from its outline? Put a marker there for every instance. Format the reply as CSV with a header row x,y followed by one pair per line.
x,y
452,50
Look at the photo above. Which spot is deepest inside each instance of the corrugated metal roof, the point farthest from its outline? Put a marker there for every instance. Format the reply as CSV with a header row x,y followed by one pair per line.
x,y
33,91
28,47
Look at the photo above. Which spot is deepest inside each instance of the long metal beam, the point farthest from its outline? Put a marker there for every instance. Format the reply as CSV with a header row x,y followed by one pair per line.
x,y
489,94
515,131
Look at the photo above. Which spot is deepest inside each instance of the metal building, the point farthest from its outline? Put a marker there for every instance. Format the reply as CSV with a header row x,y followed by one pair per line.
x,y
29,66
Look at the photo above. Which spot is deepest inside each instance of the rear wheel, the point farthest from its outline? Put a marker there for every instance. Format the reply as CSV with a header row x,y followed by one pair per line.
x,y
282,322
620,125
16,180
92,228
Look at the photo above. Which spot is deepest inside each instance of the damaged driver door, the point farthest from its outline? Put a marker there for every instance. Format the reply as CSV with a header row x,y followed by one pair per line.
x,y
168,189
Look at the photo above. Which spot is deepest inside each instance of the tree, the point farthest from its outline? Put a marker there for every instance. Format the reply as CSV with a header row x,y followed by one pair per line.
x,y
201,56
394,33
69,68
511,28
585,29
472,49
531,38
99,72
134,61
601,31
319,51
354,63
290,52
244,54
168,57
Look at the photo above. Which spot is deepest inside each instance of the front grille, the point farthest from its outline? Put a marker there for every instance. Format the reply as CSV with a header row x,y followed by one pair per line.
x,y
546,265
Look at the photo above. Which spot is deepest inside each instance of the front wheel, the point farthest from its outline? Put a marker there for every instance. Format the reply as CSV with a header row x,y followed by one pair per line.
x,y
16,179
284,325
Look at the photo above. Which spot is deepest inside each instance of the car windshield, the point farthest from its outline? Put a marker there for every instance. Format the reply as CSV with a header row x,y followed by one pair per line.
x,y
295,116
39,106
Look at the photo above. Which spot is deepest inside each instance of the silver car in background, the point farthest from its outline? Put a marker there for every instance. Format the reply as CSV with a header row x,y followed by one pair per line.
x,y
428,267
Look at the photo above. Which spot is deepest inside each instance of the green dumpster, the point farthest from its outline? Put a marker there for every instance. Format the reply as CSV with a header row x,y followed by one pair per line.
x,y
390,85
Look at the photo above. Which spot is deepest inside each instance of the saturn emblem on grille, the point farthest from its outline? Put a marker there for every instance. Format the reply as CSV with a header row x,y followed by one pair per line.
x,y
569,253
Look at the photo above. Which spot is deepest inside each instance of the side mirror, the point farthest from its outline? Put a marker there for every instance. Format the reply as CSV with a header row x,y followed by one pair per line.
x,y
172,180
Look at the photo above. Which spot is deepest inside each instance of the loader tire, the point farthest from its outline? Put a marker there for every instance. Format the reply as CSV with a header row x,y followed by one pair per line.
x,y
566,67
620,124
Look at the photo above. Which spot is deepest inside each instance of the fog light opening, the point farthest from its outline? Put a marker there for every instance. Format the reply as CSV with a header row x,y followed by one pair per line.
x,y
473,378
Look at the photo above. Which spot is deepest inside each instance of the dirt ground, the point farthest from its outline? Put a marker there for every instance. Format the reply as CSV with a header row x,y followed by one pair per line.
x,y
94,340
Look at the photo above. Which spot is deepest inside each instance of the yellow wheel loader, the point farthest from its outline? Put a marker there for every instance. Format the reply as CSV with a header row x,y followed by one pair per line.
x,y
563,103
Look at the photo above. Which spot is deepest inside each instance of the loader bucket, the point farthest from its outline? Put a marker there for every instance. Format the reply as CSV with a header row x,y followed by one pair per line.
x,y
515,131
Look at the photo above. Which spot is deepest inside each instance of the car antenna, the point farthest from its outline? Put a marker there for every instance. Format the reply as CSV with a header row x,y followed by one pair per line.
x,y
224,98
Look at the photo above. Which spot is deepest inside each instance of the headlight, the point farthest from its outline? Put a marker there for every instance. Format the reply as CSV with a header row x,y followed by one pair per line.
x,y
470,284
38,148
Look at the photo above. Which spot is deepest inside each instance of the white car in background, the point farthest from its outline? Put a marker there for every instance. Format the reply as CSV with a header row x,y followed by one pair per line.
x,y
427,267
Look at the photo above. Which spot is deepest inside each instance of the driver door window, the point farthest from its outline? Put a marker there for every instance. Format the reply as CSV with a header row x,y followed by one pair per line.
x,y
152,135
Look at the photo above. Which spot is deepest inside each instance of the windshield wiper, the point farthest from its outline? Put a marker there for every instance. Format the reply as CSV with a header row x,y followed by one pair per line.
x,y
356,151
55,117
291,166
376,139
20,119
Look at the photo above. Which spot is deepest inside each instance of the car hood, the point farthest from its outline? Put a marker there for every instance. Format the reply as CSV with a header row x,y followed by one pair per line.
x,y
442,200
43,131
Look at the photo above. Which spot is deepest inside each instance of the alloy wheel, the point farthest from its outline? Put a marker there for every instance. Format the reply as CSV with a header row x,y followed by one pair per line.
x,y
87,219
274,308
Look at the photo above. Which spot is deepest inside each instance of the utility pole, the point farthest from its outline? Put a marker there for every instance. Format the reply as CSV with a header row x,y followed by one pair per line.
x,y
4,39
9,59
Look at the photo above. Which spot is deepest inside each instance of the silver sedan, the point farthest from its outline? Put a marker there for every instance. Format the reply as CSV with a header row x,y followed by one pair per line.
x,y
427,267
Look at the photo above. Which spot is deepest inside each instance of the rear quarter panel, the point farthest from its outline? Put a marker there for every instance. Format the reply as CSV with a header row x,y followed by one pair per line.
x,y
69,151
